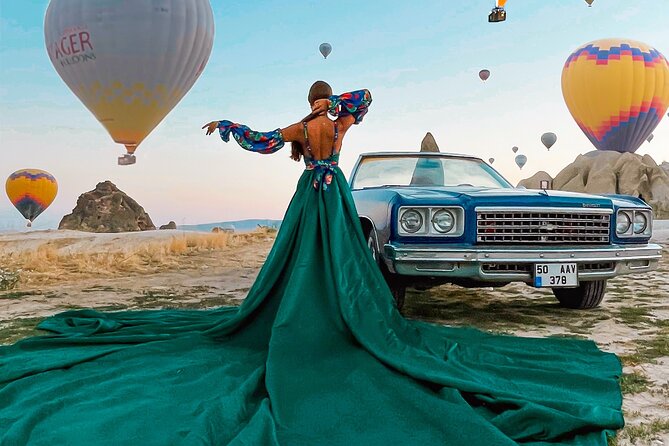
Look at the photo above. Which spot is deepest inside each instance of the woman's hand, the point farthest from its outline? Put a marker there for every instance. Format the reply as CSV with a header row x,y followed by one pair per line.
x,y
211,127
320,106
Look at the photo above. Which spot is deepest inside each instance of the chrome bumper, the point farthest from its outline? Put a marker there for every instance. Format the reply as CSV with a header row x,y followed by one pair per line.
x,y
513,264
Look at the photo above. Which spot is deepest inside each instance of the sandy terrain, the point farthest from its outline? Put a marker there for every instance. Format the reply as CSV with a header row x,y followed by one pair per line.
x,y
61,270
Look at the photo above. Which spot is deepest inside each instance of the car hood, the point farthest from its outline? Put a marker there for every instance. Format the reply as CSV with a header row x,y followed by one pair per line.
x,y
478,196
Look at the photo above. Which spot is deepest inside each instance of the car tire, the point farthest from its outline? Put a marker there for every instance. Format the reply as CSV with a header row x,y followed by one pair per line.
x,y
587,295
397,287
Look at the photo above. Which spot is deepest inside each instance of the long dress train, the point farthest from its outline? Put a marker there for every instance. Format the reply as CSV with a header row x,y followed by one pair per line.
x,y
317,354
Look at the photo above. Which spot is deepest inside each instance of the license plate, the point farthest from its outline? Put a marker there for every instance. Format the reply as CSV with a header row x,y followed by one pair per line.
x,y
555,275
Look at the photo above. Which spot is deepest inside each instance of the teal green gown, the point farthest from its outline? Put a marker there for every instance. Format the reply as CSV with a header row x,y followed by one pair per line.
x,y
317,354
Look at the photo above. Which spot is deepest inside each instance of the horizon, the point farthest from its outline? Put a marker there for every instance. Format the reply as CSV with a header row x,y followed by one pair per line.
x,y
422,72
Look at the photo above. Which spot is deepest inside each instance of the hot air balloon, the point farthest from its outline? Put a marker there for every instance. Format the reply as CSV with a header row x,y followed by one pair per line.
x,y
491,160
514,149
325,49
129,62
617,90
589,2
650,137
31,191
498,14
484,75
521,160
548,139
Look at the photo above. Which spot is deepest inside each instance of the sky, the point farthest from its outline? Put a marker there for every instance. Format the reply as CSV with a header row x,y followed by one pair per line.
x,y
420,59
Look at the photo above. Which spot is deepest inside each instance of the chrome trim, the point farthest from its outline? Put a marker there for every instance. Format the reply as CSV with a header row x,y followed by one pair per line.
x,y
419,260
544,209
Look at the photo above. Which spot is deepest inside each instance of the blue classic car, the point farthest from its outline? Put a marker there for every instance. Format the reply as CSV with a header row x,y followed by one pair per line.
x,y
434,218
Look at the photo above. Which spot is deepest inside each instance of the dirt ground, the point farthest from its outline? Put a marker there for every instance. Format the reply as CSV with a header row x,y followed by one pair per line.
x,y
633,321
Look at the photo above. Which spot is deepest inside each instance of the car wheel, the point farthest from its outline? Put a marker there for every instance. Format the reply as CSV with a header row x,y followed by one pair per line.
x,y
397,287
587,295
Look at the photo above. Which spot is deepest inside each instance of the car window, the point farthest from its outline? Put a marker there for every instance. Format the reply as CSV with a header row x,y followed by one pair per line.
x,y
425,171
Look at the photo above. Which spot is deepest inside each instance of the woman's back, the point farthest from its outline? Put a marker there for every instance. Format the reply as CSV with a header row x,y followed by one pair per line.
x,y
322,138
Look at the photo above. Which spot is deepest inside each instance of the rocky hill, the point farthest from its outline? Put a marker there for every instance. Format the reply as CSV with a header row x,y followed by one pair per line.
x,y
107,209
600,172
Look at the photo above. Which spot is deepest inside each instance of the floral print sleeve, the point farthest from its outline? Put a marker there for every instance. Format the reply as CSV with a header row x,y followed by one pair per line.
x,y
355,103
259,142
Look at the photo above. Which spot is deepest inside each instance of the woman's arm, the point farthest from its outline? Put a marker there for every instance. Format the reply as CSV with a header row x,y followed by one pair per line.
x,y
251,140
351,107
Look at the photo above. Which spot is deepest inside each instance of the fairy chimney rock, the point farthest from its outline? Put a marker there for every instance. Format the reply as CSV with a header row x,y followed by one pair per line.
x,y
429,144
107,209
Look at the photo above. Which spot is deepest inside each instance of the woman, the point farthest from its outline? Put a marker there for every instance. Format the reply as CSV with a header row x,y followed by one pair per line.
x,y
316,355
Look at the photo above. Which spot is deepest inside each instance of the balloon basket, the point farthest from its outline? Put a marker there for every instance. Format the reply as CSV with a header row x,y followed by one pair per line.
x,y
497,15
126,160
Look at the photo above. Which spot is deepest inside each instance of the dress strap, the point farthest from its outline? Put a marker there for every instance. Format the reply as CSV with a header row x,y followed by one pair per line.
x,y
336,136
306,140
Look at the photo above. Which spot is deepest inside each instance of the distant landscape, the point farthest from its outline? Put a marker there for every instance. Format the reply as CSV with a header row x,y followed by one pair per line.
x,y
237,226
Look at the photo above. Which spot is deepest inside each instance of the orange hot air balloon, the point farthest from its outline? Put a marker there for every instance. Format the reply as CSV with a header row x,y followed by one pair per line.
x,y
31,191
617,90
501,3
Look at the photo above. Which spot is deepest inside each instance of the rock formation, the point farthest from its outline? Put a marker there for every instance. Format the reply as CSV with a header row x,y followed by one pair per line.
x,y
606,172
170,225
107,209
534,182
429,144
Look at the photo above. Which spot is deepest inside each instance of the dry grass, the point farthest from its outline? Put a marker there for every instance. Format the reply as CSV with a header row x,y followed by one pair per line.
x,y
54,261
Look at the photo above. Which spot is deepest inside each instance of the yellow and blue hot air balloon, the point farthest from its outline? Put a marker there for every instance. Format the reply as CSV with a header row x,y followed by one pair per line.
x,y
617,90
31,191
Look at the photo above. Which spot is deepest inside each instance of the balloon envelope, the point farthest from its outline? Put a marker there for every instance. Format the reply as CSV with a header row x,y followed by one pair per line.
x,y
31,191
515,149
617,90
129,61
491,160
521,160
484,75
589,2
548,139
325,49
501,3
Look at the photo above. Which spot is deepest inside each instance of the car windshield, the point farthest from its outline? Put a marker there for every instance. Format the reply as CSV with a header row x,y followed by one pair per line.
x,y
376,171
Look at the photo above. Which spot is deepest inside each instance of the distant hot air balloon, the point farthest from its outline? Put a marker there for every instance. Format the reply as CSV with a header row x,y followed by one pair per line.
x,y
129,62
548,139
484,75
521,160
650,137
31,191
617,91
491,160
515,149
589,2
325,49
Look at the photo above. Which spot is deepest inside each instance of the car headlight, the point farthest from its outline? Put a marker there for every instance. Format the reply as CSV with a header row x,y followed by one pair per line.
x,y
623,222
443,221
640,223
411,221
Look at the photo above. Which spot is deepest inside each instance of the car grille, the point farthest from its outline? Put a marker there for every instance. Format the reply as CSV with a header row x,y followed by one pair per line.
x,y
542,227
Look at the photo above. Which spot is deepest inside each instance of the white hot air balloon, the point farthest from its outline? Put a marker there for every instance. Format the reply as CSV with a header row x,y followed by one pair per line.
x,y
129,61
521,160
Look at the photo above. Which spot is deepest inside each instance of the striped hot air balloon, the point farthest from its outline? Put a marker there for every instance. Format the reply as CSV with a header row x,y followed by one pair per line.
x,y
617,90
31,191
